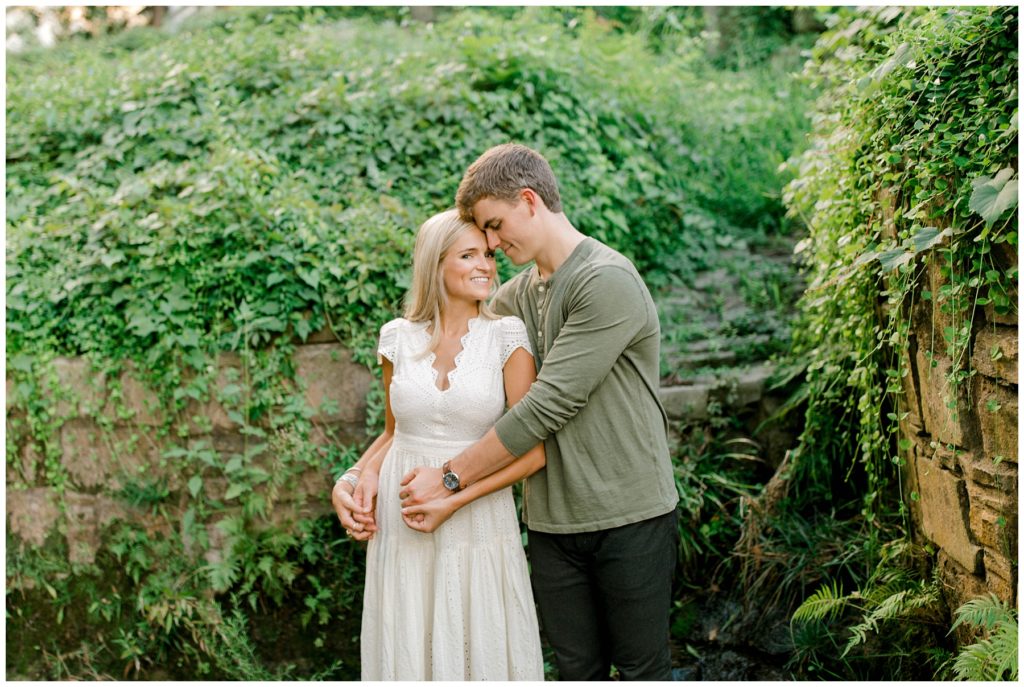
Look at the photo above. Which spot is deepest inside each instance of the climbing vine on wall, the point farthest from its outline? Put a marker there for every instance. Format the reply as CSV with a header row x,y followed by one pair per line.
x,y
913,164
918,129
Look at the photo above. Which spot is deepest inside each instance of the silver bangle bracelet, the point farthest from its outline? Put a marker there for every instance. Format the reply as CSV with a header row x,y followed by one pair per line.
x,y
349,479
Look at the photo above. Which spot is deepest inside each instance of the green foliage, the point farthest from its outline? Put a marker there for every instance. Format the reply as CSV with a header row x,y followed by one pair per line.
x,y
920,111
187,208
713,474
893,614
993,657
911,165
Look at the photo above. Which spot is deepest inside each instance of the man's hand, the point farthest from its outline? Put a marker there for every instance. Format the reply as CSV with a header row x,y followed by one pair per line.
x,y
429,516
355,509
422,485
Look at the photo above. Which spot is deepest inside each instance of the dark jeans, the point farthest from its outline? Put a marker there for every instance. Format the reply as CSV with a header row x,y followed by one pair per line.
x,y
604,598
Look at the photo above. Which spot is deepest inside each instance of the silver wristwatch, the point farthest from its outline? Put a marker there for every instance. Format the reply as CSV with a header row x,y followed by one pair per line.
x,y
449,479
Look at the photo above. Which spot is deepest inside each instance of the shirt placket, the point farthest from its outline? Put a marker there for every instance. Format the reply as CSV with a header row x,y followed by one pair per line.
x,y
543,293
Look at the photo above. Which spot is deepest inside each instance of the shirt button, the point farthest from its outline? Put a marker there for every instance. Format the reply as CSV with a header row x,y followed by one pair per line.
x,y
541,288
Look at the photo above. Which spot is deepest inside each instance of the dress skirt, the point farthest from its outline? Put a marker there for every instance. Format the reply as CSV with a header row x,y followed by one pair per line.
x,y
454,604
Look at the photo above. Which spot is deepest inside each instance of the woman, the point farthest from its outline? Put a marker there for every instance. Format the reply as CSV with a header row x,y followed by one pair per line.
x,y
447,593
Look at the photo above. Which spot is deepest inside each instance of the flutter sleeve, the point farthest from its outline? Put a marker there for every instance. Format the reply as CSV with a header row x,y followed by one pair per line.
x,y
513,336
388,346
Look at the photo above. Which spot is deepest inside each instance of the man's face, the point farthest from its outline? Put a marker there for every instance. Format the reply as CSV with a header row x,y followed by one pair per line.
x,y
507,226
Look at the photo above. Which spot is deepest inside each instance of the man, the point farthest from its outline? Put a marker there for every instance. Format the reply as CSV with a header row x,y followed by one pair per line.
x,y
601,516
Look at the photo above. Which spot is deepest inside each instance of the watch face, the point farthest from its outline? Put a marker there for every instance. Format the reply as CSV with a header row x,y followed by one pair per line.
x,y
451,481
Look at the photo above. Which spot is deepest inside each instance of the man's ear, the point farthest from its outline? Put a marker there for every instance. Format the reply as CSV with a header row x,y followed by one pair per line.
x,y
532,199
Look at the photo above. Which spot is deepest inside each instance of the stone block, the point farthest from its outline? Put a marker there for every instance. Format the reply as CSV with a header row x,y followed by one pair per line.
x,y
312,485
911,396
997,417
24,469
944,509
750,384
990,528
1009,319
685,402
940,320
919,450
1001,576
993,517
82,390
949,460
1003,587
88,514
330,375
958,587
339,434
1003,340
212,412
985,472
947,425
95,457
32,514
290,512
138,398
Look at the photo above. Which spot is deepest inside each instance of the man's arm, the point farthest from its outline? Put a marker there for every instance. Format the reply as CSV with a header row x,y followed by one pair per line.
x,y
605,315
519,373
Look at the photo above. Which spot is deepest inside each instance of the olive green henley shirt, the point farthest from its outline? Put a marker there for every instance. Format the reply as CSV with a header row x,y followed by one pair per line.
x,y
595,335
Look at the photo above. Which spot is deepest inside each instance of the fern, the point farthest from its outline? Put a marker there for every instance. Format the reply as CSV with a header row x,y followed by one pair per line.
x,y
824,604
993,657
897,605
985,612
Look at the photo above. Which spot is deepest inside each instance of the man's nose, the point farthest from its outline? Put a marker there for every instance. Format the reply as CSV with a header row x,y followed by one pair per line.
x,y
492,239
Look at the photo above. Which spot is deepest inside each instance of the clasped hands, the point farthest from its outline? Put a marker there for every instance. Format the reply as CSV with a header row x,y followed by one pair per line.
x,y
425,506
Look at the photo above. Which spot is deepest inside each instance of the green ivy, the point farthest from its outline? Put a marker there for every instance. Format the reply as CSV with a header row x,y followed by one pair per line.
x,y
912,163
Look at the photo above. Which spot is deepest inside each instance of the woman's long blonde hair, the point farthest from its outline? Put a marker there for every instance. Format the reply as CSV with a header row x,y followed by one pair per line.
x,y
428,296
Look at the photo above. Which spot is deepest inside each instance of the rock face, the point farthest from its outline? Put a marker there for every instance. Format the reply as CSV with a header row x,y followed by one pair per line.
x,y
962,455
111,441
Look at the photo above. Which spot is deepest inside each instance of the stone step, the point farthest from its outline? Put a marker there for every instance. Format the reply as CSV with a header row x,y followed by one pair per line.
x,y
733,389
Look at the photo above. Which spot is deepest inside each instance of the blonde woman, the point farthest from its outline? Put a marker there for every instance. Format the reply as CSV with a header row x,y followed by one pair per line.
x,y
447,593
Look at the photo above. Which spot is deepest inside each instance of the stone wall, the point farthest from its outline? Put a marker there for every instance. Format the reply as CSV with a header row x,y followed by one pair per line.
x,y
962,457
125,446
101,460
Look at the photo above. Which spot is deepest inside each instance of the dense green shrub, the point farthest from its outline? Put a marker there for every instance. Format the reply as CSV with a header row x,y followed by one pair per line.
x,y
918,123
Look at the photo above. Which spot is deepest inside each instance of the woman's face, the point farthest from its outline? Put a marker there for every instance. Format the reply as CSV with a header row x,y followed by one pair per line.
x,y
468,269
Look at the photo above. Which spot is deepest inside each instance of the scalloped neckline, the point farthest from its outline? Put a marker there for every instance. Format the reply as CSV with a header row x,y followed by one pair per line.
x,y
432,358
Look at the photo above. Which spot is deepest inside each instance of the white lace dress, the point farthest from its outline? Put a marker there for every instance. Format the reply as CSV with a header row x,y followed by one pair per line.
x,y
455,604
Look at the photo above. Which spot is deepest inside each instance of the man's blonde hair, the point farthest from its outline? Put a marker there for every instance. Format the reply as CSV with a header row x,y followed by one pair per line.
x,y
502,172
428,296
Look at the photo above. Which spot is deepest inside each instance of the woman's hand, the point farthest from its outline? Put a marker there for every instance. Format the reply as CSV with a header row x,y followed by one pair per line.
x,y
429,516
355,508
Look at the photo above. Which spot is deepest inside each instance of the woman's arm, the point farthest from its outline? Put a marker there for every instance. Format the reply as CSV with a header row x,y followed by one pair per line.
x,y
519,373
355,505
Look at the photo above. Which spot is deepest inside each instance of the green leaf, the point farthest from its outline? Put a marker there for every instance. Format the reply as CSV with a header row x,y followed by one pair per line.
x,y
222,574
928,237
235,490
195,485
994,196
891,259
